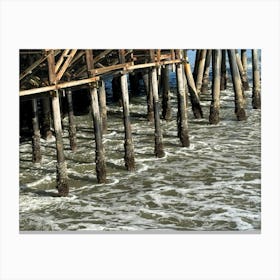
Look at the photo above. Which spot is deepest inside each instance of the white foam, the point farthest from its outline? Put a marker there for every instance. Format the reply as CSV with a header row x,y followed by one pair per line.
x,y
46,178
144,167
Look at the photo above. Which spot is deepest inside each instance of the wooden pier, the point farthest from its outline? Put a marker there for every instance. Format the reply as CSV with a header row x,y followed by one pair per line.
x,y
47,74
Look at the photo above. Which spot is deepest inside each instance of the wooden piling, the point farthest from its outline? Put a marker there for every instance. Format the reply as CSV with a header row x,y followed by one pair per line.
x,y
224,77
214,117
244,60
61,178
237,86
46,118
128,142
148,87
150,100
182,104
129,158
205,80
99,149
200,70
245,65
166,104
197,56
103,107
196,107
256,96
36,147
159,152
71,121
242,72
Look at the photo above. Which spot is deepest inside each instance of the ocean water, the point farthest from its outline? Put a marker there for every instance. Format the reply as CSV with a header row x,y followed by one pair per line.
x,y
214,185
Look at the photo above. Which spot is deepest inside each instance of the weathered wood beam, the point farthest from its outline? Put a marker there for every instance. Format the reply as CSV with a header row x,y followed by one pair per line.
x,y
172,52
77,57
129,66
61,59
99,71
151,64
100,65
158,55
58,86
101,55
126,66
65,65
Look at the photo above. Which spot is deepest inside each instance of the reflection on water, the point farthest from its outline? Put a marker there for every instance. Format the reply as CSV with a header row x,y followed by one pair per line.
x,y
215,184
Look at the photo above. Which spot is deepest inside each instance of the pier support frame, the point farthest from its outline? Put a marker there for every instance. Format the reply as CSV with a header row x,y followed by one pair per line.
x,y
196,62
100,163
224,77
245,66
244,59
129,158
166,105
242,72
214,117
36,147
237,86
61,178
159,152
148,88
200,71
182,104
256,96
205,80
196,107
